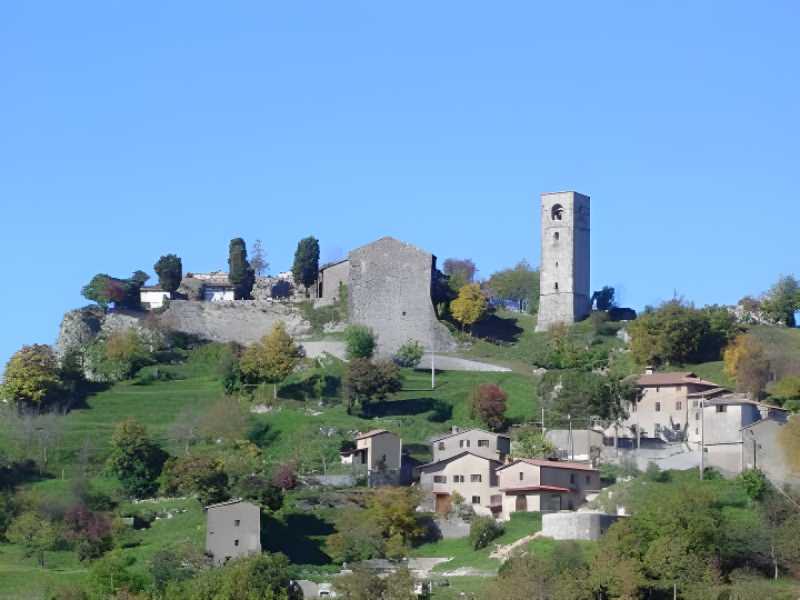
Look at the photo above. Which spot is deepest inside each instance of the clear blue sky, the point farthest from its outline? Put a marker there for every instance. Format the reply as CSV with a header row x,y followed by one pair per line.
x,y
129,130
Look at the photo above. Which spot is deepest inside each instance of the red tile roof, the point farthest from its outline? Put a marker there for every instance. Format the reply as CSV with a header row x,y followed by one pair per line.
x,y
536,488
673,378
369,434
551,464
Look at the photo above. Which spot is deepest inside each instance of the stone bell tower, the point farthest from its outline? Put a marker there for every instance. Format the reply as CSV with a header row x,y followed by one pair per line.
x,y
564,295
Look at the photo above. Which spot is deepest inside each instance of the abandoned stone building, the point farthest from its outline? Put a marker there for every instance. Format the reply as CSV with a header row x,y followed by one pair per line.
x,y
565,267
389,285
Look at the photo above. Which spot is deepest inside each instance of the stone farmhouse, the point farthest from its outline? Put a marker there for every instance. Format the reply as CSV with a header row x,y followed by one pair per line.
x,y
378,451
473,465
233,529
663,410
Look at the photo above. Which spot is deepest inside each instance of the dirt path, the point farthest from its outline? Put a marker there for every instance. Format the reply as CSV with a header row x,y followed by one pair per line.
x,y
503,553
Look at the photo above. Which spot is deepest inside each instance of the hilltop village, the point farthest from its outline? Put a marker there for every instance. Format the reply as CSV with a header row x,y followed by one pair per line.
x,y
389,426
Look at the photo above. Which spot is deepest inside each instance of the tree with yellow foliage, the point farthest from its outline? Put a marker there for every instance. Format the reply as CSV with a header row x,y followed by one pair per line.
x,y
746,361
470,306
272,359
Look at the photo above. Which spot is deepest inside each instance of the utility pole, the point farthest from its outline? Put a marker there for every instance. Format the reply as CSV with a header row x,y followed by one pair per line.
x,y
433,360
702,439
571,441
544,430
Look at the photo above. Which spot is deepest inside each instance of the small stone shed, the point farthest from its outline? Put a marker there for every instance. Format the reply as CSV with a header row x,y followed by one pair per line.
x,y
582,526
233,529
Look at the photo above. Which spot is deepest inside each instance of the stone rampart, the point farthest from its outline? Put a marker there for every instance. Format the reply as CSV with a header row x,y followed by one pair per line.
x,y
241,321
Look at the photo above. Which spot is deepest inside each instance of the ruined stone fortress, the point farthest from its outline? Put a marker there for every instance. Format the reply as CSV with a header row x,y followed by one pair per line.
x,y
565,264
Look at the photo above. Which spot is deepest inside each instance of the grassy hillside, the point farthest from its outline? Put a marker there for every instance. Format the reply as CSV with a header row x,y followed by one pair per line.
x,y
416,413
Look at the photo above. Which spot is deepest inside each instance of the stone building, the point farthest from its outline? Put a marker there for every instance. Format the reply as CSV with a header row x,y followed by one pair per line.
x,y
478,441
377,450
580,526
389,286
565,263
531,485
472,476
233,529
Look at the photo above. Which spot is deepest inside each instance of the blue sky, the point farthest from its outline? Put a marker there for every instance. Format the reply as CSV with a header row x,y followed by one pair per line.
x,y
129,130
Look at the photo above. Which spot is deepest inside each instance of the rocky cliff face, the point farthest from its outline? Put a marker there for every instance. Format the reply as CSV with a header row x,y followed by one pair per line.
x,y
78,328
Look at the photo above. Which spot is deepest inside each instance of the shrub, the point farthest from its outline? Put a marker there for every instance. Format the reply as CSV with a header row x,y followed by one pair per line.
x,y
360,342
483,531
285,476
119,355
365,381
409,354
201,475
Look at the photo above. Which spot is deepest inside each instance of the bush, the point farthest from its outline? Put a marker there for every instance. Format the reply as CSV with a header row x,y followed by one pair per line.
x,y
32,377
199,475
360,342
483,531
409,354
119,355
365,381
488,404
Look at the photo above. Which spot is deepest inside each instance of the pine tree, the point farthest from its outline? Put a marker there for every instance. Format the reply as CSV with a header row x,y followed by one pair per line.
x,y
169,269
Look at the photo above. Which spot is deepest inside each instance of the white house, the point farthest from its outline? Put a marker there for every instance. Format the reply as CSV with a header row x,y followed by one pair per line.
x,y
152,296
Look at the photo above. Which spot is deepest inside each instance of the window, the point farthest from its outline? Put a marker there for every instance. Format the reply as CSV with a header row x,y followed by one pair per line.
x,y
556,235
556,286
463,444
439,479
695,403
521,475
475,478
658,389
679,405
697,431
697,416
476,499
235,542
441,445
634,406
588,479
722,408
483,443
236,523
658,406
572,477
458,479
557,212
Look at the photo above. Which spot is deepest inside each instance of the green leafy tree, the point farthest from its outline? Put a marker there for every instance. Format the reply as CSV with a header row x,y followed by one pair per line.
x,y
519,284
123,293
240,273
114,574
365,381
533,444
140,277
135,459
360,584
786,389
119,355
488,404
584,394
470,306
783,301
169,269
34,533
201,475
357,538
32,377
674,333
306,262
409,355
359,341
257,577
272,359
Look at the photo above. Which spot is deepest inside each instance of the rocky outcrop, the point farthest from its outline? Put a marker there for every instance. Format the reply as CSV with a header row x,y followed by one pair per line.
x,y
243,321
78,328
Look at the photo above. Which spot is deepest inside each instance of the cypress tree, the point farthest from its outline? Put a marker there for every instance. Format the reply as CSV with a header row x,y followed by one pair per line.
x,y
306,262
240,273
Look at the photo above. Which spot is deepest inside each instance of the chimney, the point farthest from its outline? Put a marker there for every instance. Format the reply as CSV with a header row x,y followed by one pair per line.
x,y
455,429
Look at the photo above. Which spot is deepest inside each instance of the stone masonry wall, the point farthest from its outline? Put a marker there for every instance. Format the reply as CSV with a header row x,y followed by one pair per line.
x,y
390,292
241,321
